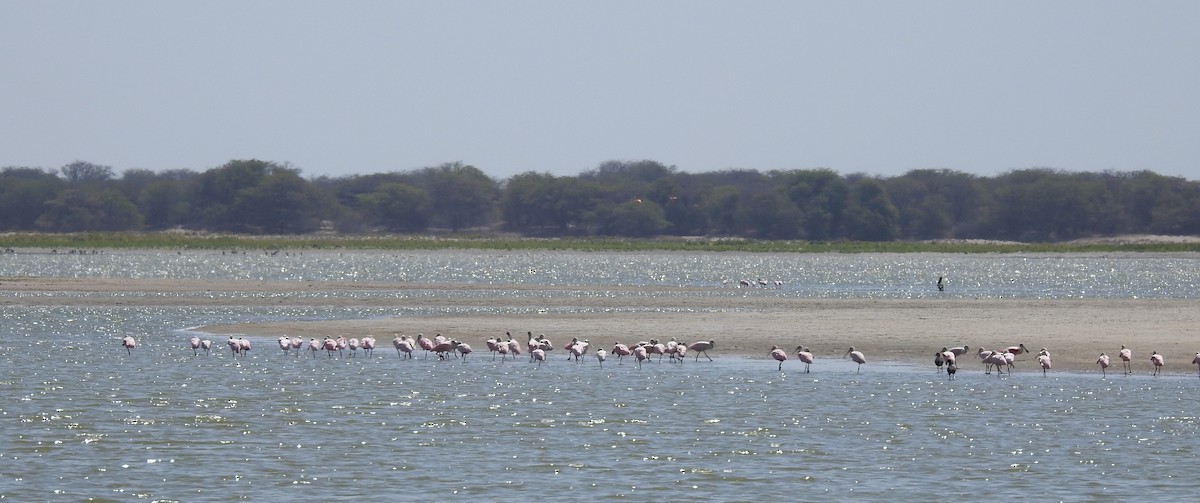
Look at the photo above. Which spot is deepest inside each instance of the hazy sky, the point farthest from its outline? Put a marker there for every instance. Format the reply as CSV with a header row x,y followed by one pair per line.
x,y
560,86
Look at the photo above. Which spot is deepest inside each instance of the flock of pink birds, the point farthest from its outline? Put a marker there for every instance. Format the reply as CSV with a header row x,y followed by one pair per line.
x,y
538,348
1000,360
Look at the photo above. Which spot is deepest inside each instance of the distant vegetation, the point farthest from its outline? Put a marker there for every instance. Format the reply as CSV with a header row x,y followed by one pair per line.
x,y
809,210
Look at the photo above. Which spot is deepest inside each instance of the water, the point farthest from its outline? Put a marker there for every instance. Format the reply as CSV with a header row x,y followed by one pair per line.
x,y
84,420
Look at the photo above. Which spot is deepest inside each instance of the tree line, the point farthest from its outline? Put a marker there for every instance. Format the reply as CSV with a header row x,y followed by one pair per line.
x,y
617,198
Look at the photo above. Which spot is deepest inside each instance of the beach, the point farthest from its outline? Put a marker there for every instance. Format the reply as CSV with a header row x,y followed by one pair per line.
x,y
1075,331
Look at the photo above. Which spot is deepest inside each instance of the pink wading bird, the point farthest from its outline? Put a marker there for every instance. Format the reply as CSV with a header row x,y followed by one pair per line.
x,y
206,345
314,346
999,358
128,343
1157,360
804,355
640,353
285,344
538,355
700,347
297,343
857,356
986,357
601,355
1043,360
1126,354
195,342
464,349
1196,361
779,355
621,351
1103,362
958,351
368,345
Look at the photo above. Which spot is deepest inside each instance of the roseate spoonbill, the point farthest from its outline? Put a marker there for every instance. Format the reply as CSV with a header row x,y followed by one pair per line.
x,y
424,343
530,343
503,349
404,347
538,355
245,345
959,351
621,351
341,344
368,345
1044,362
1018,349
1009,358
1196,361
195,342
1126,355
680,352
997,359
330,346
128,343
1103,362
779,355
464,349
601,355
493,343
352,344
297,343
443,348
804,355
234,346
580,348
672,348
514,347
206,345
1157,360
639,352
656,348
285,344
938,361
857,356
313,347
949,357
986,357
702,347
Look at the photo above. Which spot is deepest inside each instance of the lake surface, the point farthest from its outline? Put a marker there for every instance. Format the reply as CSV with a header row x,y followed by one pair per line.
x,y
83,419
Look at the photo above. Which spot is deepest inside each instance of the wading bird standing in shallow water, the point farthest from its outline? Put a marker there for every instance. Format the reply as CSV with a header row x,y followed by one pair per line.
x,y
779,355
804,355
1103,362
857,356
1156,360
128,343
1043,360
702,347
1196,361
1126,354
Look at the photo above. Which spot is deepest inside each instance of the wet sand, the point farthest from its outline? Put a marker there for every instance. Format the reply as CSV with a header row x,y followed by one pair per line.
x,y
903,330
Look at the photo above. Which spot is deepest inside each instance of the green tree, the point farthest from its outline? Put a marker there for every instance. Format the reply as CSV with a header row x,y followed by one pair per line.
x,y
396,207
461,196
24,193
634,219
871,216
80,210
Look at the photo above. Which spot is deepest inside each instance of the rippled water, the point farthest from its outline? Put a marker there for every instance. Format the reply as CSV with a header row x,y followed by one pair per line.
x,y
83,419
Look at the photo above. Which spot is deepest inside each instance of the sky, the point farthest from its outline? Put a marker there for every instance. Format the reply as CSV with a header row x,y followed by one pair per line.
x,y
349,87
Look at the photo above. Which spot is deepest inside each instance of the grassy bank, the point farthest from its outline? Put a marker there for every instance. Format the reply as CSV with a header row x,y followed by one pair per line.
x,y
199,241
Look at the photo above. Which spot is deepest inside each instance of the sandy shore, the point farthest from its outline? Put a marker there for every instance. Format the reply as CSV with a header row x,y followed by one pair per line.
x,y
1075,331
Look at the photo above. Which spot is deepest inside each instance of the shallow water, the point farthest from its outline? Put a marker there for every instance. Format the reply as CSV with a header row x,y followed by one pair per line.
x,y
84,419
